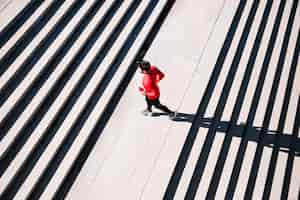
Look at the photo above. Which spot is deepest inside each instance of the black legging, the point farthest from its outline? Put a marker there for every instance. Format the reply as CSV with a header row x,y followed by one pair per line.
x,y
156,104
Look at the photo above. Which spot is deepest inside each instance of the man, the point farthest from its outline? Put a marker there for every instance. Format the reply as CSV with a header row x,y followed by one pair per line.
x,y
150,88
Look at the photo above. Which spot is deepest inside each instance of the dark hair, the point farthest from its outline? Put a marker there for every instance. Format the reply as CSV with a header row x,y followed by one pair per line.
x,y
143,65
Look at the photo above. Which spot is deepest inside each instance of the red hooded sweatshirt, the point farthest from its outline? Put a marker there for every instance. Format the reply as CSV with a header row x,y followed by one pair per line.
x,y
150,82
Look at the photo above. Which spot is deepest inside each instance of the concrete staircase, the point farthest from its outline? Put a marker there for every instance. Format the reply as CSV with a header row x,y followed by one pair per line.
x,y
70,123
56,69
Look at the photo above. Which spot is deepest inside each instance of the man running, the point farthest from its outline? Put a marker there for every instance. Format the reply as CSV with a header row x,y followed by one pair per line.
x,y
150,88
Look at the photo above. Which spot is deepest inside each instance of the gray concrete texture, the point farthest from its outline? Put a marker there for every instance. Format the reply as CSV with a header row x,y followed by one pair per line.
x,y
232,77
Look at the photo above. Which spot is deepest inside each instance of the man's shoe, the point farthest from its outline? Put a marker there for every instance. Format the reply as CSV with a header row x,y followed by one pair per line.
x,y
147,113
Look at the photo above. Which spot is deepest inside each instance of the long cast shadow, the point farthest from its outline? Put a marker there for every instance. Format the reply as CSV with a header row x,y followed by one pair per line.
x,y
269,141
283,116
189,141
270,106
291,156
273,139
205,151
254,104
238,104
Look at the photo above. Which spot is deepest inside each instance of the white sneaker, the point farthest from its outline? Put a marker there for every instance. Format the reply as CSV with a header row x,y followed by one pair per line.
x,y
172,115
147,113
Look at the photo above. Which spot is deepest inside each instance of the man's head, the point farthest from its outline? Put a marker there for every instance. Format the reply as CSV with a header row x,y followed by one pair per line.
x,y
144,66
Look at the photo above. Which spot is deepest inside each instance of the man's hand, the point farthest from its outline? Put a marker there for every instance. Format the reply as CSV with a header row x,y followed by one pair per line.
x,y
142,90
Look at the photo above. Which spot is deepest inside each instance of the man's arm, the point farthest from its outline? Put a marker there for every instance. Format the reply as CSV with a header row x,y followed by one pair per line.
x,y
159,75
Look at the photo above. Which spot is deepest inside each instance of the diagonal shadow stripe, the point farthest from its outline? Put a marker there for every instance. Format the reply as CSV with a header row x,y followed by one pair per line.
x,y
253,108
110,107
49,67
27,129
290,161
237,131
270,105
35,118
41,146
10,29
238,105
282,119
293,142
72,134
189,141
47,101
203,157
38,52
29,35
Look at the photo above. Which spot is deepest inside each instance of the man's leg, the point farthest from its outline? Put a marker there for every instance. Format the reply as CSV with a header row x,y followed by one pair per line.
x,y
148,111
164,108
149,104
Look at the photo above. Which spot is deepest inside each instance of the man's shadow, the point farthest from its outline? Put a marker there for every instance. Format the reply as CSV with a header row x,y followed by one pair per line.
x,y
179,117
284,139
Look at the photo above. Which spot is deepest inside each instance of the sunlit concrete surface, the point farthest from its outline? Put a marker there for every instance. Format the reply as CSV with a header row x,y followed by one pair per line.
x,y
69,130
